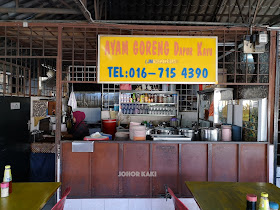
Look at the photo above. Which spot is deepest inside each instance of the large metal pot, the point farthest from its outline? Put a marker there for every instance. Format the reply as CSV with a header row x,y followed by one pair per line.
x,y
150,131
216,134
205,134
210,134
166,130
188,132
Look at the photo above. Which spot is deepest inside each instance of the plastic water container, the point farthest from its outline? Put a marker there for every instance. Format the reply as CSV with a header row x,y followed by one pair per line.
x,y
131,125
226,133
139,135
136,128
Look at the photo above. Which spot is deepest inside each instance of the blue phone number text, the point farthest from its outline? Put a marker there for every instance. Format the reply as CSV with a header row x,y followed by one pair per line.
x,y
161,72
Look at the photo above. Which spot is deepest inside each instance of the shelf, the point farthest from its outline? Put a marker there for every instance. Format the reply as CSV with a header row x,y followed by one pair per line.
x,y
158,115
140,91
149,103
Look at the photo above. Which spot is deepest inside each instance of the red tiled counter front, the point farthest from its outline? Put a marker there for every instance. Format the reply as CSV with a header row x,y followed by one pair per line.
x,y
141,169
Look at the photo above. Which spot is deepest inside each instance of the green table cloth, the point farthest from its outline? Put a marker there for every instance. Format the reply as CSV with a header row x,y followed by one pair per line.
x,y
230,195
29,195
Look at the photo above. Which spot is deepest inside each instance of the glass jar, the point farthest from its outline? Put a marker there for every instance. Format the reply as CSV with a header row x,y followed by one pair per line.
x,y
160,98
169,99
155,98
164,100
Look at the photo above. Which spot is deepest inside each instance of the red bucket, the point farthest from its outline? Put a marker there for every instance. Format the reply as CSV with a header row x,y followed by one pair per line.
x,y
109,127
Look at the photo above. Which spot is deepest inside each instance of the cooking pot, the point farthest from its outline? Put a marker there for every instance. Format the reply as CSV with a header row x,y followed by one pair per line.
x,y
166,130
150,131
210,134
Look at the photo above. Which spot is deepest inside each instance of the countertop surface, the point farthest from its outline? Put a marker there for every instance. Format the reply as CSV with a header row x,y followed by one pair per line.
x,y
172,142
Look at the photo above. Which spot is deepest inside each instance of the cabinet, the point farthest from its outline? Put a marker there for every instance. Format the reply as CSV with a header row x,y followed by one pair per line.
x,y
155,103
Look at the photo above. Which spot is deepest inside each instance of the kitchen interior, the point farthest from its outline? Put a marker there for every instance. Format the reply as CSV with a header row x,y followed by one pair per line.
x,y
175,112
230,112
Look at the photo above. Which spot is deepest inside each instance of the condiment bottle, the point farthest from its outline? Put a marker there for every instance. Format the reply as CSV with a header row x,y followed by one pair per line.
x,y
4,189
146,98
264,202
273,206
251,202
8,177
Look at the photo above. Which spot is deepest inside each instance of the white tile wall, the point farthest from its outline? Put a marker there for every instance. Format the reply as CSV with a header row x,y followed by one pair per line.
x,y
140,204
116,204
127,204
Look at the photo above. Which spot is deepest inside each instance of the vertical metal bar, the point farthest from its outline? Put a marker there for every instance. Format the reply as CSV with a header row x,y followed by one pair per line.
x,y
151,169
276,110
224,49
238,162
58,101
180,170
209,162
120,168
39,68
73,49
24,81
271,88
43,54
17,78
235,59
6,40
85,49
29,74
30,53
12,74
4,78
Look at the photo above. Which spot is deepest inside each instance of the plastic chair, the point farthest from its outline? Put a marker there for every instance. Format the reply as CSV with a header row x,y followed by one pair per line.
x,y
60,204
177,203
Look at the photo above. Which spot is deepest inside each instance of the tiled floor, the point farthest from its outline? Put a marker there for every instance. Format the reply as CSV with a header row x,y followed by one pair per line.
x,y
126,204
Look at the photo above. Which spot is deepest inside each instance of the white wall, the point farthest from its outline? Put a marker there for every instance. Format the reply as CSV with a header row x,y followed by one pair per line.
x,y
127,204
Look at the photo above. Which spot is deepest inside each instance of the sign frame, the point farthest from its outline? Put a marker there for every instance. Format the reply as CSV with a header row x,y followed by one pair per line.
x,y
148,82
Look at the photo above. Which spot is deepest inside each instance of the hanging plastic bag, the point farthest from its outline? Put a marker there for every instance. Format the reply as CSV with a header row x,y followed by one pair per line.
x,y
125,87
72,101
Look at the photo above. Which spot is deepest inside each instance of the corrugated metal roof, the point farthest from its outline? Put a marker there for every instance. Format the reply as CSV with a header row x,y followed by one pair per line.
x,y
257,12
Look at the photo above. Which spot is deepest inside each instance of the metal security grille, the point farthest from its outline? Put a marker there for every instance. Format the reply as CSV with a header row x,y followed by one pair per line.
x,y
187,97
110,95
78,73
26,49
27,54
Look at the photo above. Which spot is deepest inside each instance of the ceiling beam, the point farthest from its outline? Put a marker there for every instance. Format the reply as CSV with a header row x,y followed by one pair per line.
x,y
82,6
240,11
39,10
218,5
274,20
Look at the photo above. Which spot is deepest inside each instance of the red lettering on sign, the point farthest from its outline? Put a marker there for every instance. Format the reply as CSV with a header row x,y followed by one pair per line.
x,y
107,48
125,47
199,45
166,48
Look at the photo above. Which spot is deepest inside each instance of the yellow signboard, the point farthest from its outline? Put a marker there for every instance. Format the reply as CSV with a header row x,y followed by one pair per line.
x,y
157,59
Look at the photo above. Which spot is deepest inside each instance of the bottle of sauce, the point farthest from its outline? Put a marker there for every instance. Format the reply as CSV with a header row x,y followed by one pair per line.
x,y
264,202
251,202
8,177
